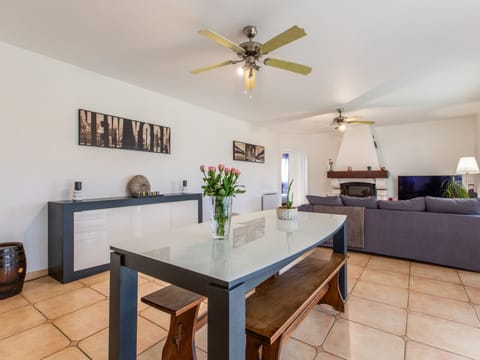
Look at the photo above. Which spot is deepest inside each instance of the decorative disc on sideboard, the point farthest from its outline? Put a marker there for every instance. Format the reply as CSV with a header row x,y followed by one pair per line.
x,y
138,183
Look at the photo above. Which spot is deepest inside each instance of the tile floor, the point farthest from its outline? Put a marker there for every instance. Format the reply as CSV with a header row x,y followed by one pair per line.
x,y
396,310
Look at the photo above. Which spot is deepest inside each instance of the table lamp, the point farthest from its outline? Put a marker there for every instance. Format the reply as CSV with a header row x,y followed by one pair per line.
x,y
467,165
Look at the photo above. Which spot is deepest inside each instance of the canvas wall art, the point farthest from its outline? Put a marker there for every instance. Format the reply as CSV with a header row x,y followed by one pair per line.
x,y
248,152
102,130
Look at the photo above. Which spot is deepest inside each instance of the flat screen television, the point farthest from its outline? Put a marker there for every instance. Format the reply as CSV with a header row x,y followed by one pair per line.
x,y
410,187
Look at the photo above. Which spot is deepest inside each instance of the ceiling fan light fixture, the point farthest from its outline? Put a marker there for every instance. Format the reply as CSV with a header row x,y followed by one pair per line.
x,y
342,127
249,78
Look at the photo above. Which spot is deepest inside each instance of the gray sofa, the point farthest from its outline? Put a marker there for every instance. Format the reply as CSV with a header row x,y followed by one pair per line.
x,y
434,230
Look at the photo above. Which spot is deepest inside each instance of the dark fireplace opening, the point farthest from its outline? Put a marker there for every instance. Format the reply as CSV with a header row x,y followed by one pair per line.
x,y
359,189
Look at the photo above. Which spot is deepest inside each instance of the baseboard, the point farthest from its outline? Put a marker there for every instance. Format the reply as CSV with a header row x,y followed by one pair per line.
x,y
36,274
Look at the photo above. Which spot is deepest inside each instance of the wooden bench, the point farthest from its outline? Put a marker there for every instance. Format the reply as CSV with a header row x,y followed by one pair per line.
x,y
183,307
279,305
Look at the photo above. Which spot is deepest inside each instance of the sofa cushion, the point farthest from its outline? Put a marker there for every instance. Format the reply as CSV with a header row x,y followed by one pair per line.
x,y
453,206
416,204
366,202
324,200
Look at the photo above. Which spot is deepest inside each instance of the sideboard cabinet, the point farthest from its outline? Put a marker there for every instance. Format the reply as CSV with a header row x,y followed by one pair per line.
x,y
80,232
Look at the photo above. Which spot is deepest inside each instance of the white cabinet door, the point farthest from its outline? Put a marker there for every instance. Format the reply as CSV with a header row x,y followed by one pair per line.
x,y
94,231
184,213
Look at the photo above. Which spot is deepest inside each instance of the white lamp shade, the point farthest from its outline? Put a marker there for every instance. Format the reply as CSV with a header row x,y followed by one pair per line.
x,y
467,165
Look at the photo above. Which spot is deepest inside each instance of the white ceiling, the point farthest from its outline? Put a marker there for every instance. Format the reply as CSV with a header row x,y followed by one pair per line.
x,y
387,61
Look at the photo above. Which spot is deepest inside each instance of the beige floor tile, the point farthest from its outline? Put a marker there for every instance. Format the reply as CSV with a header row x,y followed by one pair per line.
x,y
69,353
47,287
357,258
322,355
381,293
448,309
314,328
158,317
477,310
296,350
388,264
355,341
380,316
95,278
201,338
444,334
63,304
327,309
96,346
470,278
417,351
201,355
148,334
434,272
103,286
438,288
18,320
145,289
11,303
473,294
153,353
33,344
385,278
354,270
84,322
351,282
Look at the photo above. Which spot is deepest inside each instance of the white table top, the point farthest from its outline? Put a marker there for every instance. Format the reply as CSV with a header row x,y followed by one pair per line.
x,y
257,240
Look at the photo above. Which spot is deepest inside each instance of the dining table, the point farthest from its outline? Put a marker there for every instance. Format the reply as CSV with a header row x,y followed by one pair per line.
x,y
259,246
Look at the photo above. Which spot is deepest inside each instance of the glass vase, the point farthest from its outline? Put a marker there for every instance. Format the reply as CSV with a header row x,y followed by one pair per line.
x,y
220,215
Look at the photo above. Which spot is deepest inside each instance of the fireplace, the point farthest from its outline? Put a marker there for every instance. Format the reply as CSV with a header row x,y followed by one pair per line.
x,y
359,189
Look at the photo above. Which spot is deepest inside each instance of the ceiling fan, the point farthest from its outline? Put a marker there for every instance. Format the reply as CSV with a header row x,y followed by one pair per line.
x,y
340,121
251,52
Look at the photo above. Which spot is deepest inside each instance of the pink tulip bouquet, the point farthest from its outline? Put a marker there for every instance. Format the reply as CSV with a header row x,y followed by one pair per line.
x,y
221,181
220,185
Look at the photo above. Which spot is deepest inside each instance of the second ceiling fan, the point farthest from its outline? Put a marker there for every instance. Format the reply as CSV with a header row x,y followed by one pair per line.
x,y
251,52
340,121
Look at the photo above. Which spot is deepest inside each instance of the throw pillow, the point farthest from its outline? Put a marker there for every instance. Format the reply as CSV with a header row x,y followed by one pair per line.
x,y
415,204
324,200
366,202
453,206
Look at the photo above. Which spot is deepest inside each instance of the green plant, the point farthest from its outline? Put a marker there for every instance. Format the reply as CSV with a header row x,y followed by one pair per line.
x,y
289,203
454,189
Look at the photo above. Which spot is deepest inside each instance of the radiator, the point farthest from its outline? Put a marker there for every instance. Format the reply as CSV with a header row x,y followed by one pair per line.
x,y
270,201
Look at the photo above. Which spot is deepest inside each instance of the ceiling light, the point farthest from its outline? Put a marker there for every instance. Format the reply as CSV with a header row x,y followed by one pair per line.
x,y
240,71
342,127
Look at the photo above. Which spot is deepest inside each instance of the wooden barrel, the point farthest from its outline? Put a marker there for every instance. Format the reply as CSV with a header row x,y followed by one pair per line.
x,y
13,267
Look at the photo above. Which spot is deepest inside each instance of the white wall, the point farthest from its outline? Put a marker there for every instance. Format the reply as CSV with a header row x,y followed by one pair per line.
x,y
40,158
318,149
426,148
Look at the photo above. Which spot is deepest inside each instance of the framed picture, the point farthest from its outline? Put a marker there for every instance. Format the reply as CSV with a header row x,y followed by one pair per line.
x,y
248,152
102,130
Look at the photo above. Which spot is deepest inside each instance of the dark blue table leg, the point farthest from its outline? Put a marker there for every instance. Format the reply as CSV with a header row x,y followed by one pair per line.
x,y
340,246
226,323
123,311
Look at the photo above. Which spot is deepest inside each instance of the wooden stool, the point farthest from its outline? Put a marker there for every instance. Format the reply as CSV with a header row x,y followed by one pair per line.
x,y
183,307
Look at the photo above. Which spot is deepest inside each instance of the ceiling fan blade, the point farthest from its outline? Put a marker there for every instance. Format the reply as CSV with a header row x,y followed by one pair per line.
x,y
290,66
360,122
219,39
210,67
284,38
